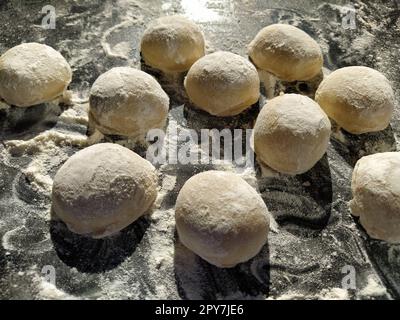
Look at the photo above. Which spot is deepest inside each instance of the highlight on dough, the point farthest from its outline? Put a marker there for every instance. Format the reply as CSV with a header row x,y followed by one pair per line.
x,y
172,44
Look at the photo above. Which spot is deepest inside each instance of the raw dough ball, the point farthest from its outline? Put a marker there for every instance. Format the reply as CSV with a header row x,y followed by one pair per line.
x,y
359,99
376,192
33,73
103,189
128,102
291,134
223,84
220,217
287,52
172,44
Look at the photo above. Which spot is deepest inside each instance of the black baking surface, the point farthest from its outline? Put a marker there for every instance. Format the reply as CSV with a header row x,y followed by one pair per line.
x,y
314,237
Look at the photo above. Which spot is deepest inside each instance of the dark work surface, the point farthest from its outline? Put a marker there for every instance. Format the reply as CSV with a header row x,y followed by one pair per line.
x,y
314,240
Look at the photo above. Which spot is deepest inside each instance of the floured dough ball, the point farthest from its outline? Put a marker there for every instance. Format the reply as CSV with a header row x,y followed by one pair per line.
x,y
172,44
291,134
359,99
33,73
376,195
287,52
102,189
221,218
127,102
223,84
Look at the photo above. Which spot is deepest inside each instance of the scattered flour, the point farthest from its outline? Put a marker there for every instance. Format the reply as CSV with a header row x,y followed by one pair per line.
x,y
374,288
48,291
48,141
325,294
74,116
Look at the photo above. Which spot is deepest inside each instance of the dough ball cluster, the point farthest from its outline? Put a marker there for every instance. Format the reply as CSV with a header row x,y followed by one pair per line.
x,y
359,99
287,52
128,102
33,73
221,218
291,134
376,195
223,84
102,189
172,44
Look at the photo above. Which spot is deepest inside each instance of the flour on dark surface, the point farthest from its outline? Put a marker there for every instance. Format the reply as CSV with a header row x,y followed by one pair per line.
x,y
313,236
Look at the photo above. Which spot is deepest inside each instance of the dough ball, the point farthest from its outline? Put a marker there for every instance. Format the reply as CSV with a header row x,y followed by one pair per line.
x,y
172,44
223,84
359,99
221,218
376,195
128,102
33,73
291,134
103,189
287,52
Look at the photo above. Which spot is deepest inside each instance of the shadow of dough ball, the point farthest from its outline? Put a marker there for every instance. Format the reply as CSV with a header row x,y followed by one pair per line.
x,y
172,44
287,52
359,99
223,84
103,189
33,73
127,102
376,195
291,134
225,225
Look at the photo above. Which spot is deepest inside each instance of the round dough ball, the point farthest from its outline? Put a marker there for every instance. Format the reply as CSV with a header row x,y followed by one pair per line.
x,y
291,134
128,102
33,73
376,191
223,84
287,52
172,44
359,99
221,218
102,189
